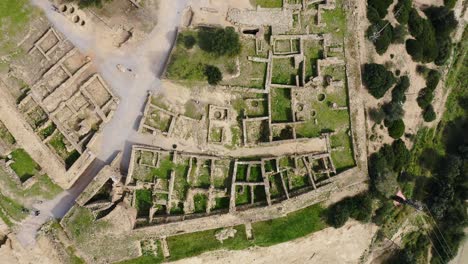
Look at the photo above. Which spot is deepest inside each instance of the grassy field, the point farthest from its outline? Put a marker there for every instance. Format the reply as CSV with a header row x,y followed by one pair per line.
x,y
24,166
327,119
81,224
281,105
313,51
143,201
14,14
11,210
188,64
343,156
284,72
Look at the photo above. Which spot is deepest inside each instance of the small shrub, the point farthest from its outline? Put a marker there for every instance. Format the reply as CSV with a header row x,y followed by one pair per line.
x,y
396,129
377,79
213,74
189,41
429,114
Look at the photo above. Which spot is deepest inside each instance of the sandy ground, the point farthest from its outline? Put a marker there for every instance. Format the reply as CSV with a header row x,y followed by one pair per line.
x,y
343,245
213,12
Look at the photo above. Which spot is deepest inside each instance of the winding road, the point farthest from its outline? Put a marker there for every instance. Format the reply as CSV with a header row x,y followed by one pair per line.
x,y
147,62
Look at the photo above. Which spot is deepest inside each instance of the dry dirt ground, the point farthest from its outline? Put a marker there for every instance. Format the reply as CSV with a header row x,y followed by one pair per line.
x,y
343,245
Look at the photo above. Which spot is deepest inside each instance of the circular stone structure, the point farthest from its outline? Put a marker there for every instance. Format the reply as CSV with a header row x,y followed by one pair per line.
x,y
321,97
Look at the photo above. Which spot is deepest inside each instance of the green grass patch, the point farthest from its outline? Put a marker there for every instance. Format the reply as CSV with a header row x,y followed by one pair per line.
x,y
342,156
241,173
242,195
201,202
281,109
24,166
255,174
10,209
327,119
313,51
292,226
188,245
284,72
14,14
82,226
267,3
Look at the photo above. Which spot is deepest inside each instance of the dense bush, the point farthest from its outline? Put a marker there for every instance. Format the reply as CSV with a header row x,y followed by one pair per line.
x,y
425,98
401,155
358,207
398,92
396,128
429,114
404,7
219,41
377,79
213,74
380,6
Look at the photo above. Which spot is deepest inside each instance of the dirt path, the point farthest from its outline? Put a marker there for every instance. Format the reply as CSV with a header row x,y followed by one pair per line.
x,y
343,245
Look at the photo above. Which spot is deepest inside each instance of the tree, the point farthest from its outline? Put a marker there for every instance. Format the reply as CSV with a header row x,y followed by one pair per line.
x,y
219,41
442,18
377,79
432,79
429,114
396,129
444,46
425,98
385,36
403,7
401,154
415,23
414,49
372,15
381,6
338,214
386,183
213,74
